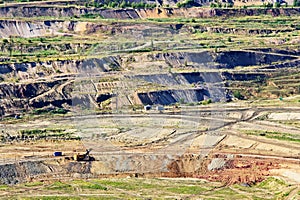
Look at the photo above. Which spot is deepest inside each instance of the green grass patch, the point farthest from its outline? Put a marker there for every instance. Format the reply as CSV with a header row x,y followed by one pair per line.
x,y
33,184
186,190
119,184
227,192
4,187
60,186
41,111
134,184
274,135
88,185
271,182
141,188
52,198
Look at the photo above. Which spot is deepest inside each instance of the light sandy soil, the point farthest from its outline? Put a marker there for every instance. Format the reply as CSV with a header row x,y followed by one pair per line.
x,y
137,138
284,116
291,173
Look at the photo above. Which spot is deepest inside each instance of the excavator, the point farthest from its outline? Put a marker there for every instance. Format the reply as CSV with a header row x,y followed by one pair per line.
x,y
83,157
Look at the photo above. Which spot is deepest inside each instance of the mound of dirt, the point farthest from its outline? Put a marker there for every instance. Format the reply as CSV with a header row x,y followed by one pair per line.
x,y
227,169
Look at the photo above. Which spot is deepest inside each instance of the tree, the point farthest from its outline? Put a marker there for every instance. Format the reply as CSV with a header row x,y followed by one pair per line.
x,y
238,95
268,5
277,5
213,5
133,5
10,49
186,4
152,45
296,3
123,4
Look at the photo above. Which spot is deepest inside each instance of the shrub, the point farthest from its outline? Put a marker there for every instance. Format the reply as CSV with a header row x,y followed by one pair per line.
x,y
268,5
181,101
238,95
206,102
213,5
186,4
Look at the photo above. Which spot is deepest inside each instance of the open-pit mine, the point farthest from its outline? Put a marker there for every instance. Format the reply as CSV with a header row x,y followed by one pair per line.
x,y
149,99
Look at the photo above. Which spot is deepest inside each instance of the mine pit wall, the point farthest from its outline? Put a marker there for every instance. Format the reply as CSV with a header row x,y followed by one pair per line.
x,y
98,65
226,59
243,58
28,29
173,96
39,69
198,77
153,165
19,95
195,12
291,64
21,171
200,60
32,29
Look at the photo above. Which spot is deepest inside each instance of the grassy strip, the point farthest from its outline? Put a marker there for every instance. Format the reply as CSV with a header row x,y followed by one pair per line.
x,y
140,188
274,135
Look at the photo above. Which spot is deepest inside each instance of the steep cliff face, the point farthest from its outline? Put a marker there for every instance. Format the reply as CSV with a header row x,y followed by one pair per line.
x,y
42,69
163,2
172,96
20,172
209,60
194,12
29,29
199,60
244,58
205,85
69,11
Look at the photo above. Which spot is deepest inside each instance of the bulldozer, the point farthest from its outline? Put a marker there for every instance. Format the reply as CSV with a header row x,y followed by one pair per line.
x,y
83,157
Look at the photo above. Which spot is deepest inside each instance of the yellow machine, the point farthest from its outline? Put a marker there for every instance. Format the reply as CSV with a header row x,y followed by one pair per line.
x,y
83,157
